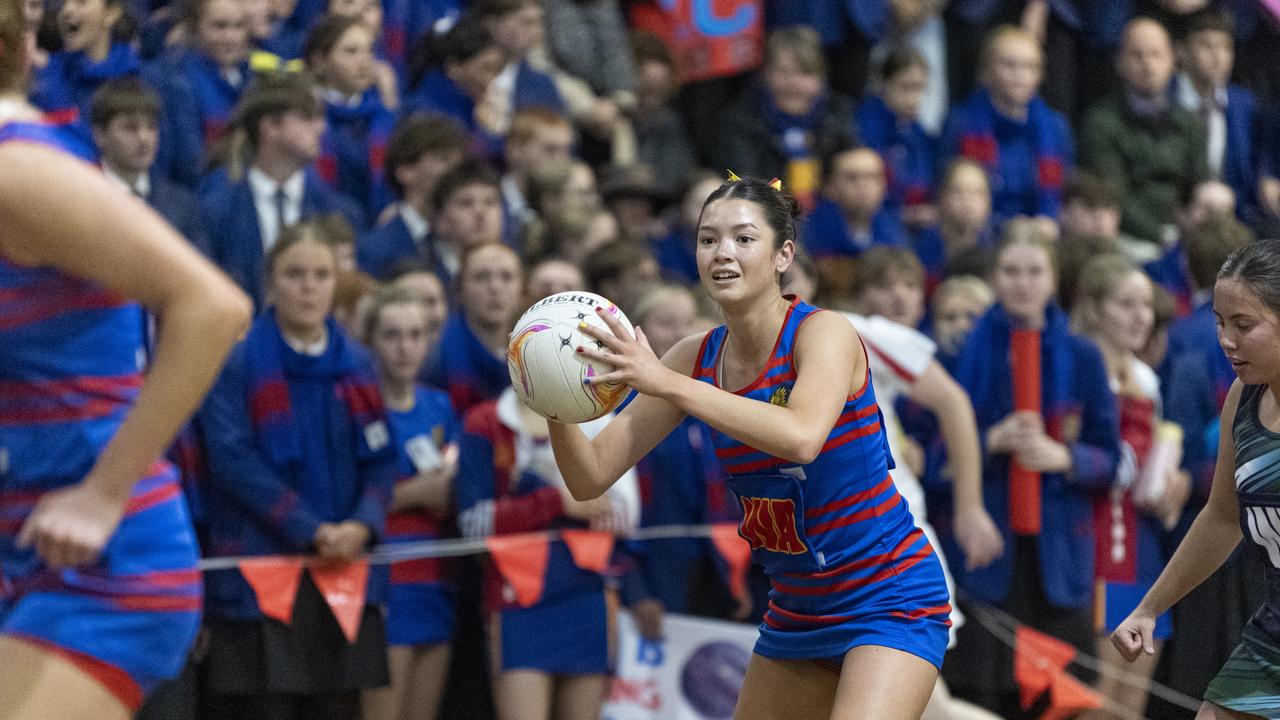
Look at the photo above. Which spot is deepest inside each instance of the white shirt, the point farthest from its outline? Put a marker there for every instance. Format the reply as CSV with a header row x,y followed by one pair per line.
x,y
264,199
1215,119
417,225
140,187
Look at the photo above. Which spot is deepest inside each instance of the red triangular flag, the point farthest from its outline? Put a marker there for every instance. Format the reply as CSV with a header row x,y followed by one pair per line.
x,y
1068,697
343,587
591,549
736,553
1037,660
522,562
274,580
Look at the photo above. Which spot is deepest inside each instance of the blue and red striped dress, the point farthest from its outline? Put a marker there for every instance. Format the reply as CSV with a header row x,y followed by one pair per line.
x,y
846,563
70,358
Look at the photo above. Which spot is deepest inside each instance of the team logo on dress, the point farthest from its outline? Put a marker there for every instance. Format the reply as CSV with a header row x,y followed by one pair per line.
x,y
780,396
770,524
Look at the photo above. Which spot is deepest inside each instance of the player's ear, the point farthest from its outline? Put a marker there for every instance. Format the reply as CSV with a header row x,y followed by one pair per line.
x,y
784,256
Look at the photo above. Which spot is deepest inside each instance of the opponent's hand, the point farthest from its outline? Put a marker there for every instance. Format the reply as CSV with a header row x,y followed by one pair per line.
x,y
978,537
1135,636
633,361
69,527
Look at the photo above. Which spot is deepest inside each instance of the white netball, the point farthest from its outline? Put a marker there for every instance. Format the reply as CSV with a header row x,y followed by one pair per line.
x,y
546,370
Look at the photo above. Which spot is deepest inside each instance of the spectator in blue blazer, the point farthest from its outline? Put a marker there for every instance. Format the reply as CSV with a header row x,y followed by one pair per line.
x,y
517,26
125,117
387,78
200,86
850,219
302,462
887,121
1069,446
339,52
421,150
271,185
1206,54
964,226
95,48
451,76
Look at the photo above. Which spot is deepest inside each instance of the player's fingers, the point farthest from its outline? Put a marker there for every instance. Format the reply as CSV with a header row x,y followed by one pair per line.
x,y
613,323
644,341
607,338
613,377
597,355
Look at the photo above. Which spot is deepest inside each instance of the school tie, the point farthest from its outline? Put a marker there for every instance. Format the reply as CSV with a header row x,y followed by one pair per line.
x,y
281,200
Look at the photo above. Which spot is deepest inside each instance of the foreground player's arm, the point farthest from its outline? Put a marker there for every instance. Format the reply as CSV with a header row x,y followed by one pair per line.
x,y
1212,537
58,212
828,357
975,531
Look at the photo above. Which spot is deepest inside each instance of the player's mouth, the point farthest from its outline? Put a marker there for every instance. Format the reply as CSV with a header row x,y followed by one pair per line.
x,y
724,276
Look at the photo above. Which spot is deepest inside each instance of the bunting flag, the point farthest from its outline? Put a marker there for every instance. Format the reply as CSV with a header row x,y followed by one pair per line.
x,y
274,580
522,562
1024,484
343,586
1038,659
591,549
1069,697
736,553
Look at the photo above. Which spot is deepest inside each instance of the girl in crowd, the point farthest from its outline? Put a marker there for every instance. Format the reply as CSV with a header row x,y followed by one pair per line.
x,y
301,461
1051,445
451,75
101,595
957,304
888,123
475,368
963,235
549,658
201,86
1025,146
424,429
856,625
95,49
339,52
1247,309
786,126
1113,307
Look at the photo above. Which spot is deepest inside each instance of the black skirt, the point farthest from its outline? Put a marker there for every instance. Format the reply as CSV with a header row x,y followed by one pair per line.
x,y
311,656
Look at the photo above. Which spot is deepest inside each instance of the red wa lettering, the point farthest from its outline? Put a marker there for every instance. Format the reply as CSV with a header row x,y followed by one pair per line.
x,y
770,524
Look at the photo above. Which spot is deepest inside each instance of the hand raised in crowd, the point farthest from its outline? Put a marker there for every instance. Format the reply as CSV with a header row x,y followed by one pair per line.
x,y
1013,432
346,540
1042,453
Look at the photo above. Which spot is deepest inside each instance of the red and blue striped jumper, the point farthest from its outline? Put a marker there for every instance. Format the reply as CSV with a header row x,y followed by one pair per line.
x,y
846,563
70,353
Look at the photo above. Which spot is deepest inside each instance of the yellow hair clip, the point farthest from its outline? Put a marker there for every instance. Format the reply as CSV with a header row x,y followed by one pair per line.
x,y
261,61
733,176
776,184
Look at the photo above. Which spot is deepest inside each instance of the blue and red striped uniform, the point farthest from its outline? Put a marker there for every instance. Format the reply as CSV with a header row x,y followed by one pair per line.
x,y
846,563
420,598
70,358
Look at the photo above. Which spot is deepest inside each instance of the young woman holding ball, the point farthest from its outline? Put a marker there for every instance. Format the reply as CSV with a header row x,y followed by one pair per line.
x,y
858,614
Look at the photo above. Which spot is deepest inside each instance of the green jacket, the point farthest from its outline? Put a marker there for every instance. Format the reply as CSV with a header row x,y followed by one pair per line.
x,y
1149,159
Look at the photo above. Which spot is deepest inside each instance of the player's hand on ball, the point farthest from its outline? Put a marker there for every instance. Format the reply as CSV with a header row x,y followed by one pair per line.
x,y
69,527
1135,636
634,362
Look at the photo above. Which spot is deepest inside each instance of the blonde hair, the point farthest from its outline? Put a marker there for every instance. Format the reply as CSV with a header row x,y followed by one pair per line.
x,y
971,286
804,44
1028,231
1000,34
653,298
1097,280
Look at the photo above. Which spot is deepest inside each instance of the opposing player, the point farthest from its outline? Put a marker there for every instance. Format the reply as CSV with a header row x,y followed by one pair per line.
x,y
1246,491
857,620
99,592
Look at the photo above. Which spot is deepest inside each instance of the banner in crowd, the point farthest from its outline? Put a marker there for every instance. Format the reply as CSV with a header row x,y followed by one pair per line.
x,y
693,673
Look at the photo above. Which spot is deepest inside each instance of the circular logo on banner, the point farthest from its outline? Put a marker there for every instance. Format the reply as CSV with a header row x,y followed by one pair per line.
x,y
712,678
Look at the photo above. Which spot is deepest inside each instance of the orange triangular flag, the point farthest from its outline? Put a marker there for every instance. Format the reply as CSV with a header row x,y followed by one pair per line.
x,y
343,586
590,549
1068,697
522,562
274,580
1037,659
736,553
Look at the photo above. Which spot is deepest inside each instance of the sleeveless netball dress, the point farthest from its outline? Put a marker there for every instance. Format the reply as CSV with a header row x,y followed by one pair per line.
x,y
846,563
70,353
1250,680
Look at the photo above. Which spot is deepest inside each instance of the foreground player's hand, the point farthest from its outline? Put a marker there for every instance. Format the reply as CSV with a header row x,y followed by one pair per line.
x,y
633,361
70,527
1135,636
978,537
